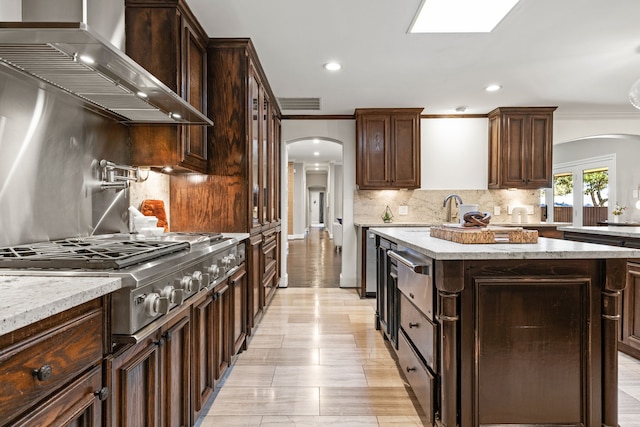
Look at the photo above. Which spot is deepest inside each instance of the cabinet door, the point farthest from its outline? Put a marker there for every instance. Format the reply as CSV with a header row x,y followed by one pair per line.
x,y
256,291
203,356
372,164
514,151
631,312
520,147
405,167
135,385
194,64
168,42
539,151
80,404
176,364
222,328
254,138
238,283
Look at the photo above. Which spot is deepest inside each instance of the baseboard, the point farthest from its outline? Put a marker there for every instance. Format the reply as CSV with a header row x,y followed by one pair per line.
x,y
295,236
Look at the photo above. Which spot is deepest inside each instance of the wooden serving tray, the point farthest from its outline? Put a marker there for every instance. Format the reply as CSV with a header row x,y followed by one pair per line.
x,y
490,234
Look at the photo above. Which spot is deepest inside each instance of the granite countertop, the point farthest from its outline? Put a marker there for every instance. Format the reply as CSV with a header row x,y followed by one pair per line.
x,y
605,231
29,299
419,240
424,224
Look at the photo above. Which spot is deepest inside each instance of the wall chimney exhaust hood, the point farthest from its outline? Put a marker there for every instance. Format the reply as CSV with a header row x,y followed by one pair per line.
x,y
74,59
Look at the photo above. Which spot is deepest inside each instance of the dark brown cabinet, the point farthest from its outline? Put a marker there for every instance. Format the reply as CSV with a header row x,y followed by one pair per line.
x,y
176,369
238,284
520,147
629,339
241,192
630,330
135,376
166,39
388,151
203,367
151,379
52,370
222,321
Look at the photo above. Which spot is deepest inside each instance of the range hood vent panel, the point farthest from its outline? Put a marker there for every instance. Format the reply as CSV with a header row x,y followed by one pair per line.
x,y
51,53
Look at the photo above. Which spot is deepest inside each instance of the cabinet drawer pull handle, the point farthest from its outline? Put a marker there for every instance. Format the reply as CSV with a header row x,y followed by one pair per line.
x,y
410,369
44,373
413,325
102,394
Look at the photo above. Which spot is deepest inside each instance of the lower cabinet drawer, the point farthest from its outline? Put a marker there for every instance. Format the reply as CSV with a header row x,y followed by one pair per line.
x,y
37,366
420,331
419,377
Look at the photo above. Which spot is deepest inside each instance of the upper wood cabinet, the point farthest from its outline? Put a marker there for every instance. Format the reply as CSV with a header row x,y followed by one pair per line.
x,y
520,147
166,39
241,192
388,153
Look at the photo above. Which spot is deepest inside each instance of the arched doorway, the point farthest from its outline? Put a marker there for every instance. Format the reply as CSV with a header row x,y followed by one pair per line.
x,y
314,204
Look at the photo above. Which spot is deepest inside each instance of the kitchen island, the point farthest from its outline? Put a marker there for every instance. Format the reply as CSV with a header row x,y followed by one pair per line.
x,y
523,333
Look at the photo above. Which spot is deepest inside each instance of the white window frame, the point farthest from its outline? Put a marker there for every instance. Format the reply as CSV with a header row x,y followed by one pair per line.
x,y
577,167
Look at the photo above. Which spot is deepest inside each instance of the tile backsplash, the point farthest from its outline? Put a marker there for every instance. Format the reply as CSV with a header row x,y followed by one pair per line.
x,y
425,206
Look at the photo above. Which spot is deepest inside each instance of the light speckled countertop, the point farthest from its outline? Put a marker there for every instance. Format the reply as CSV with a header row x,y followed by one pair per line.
x,y
421,224
419,240
29,299
605,231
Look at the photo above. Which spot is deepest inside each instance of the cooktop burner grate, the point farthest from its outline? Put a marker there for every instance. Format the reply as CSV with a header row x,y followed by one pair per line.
x,y
87,253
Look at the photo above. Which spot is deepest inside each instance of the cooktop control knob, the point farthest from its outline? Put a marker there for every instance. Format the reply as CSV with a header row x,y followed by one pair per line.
x,y
154,304
197,280
214,271
175,296
232,260
186,283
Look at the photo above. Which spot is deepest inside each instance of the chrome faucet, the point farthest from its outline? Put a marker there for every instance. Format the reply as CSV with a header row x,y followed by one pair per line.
x,y
458,200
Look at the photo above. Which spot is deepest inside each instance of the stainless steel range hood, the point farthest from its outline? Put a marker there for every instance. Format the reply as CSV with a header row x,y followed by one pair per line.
x,y
72,58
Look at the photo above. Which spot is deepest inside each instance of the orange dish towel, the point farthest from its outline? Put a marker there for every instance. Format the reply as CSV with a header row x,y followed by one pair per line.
x,y
155,208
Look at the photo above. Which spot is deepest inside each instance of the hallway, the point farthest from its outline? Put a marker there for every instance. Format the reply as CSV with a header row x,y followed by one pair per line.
x,y
316,359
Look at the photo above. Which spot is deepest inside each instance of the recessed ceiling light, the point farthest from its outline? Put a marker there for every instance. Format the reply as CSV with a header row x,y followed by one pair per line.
x,y
316,153
332,66
316,141
493,88
460,16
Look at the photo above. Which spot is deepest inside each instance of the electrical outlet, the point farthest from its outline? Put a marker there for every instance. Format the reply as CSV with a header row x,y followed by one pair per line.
x,y
403,210
496,210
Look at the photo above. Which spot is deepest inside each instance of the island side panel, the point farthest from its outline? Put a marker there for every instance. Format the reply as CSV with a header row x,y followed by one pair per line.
x,y
616,280
512,287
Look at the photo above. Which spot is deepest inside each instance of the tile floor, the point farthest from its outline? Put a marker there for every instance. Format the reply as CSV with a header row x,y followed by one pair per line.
x,y
316,360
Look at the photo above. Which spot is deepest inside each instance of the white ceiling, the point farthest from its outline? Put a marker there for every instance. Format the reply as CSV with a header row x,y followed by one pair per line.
x,y
579,55
303,151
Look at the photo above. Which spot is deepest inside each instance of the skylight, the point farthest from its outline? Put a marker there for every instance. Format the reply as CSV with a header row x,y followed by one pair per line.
x,y
460,16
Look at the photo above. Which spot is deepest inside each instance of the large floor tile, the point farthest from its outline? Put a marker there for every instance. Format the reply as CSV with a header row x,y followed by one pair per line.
x,y
266,401
301,421
319,376
366,401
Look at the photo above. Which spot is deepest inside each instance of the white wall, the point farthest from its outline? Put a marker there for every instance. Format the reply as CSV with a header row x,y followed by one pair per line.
x,y
11,10
567,129
344,131
454,154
